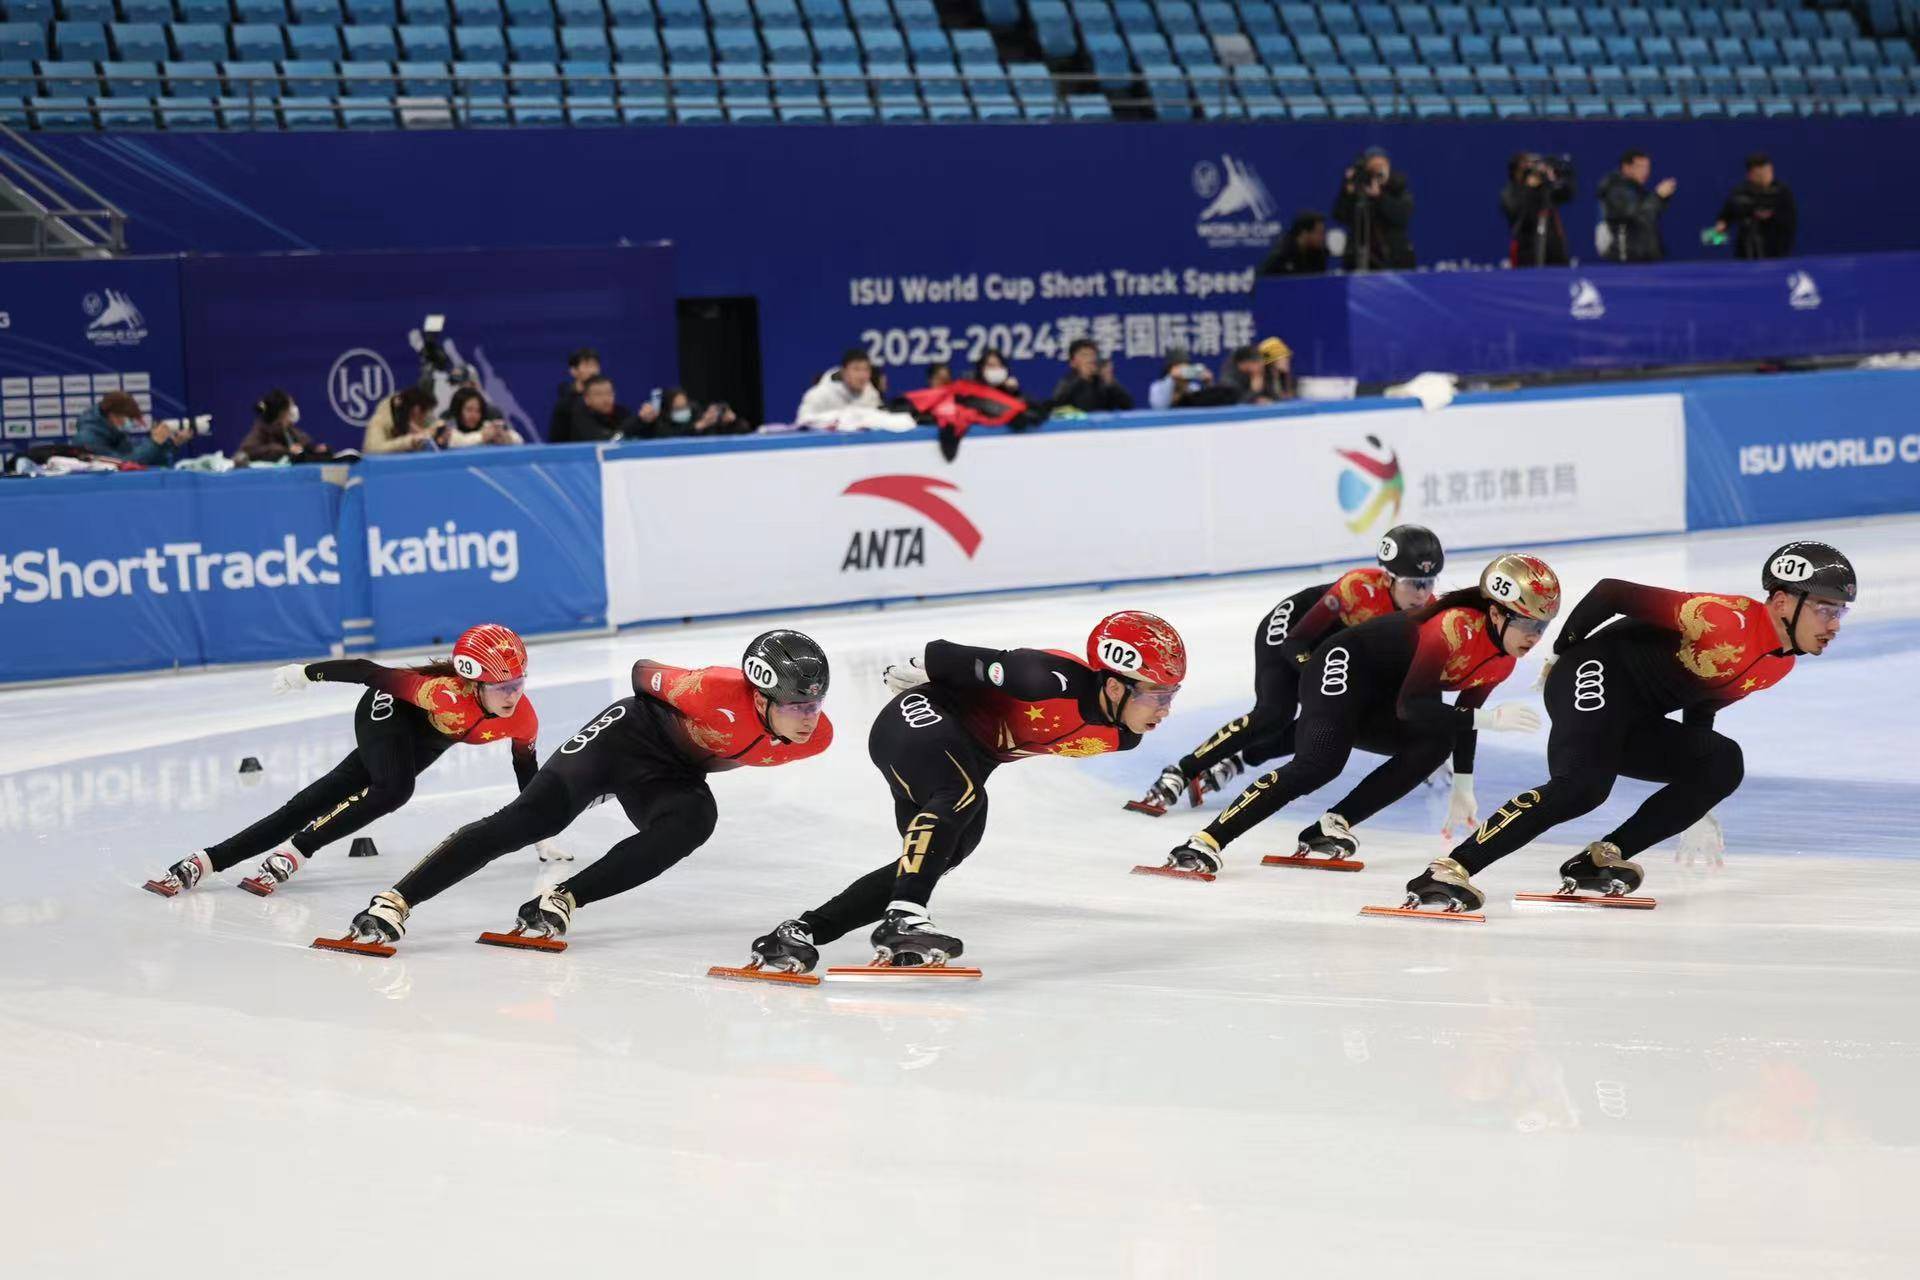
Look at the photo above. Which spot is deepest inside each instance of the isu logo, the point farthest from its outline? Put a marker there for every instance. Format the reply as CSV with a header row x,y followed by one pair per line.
x,y
579,741
1590,685
1277,624
1333,672
901,548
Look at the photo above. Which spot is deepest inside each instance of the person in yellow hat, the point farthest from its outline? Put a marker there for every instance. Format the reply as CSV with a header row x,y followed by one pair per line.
x,y
1278,357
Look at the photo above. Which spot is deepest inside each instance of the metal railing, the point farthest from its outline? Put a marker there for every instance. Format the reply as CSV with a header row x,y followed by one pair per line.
x,y
61,214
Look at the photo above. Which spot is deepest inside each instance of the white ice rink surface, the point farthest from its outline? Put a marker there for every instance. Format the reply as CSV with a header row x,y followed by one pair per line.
x,y
1154,1078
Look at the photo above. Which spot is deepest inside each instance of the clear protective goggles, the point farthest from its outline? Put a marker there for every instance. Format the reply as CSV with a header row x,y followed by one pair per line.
x,y
1155,695
803,709
1527,626
507,688
1827,611
1418,584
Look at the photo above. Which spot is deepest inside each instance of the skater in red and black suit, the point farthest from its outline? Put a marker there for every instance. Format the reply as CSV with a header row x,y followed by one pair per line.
x,y
1609,691
960,712
1410,557
1378,687
404,722
652,752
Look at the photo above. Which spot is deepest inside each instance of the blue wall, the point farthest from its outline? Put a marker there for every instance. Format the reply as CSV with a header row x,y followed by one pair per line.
x,y
797,214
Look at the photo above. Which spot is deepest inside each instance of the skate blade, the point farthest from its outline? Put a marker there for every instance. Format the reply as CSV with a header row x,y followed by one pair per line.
x,y
259,886
1174,873
896,972
1312,862
160,887
521,940
1564,899
348,945
1147,807
754,973
1421,913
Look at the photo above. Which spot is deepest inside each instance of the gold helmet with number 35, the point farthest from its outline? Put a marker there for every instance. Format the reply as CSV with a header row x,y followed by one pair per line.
x,y
1523,585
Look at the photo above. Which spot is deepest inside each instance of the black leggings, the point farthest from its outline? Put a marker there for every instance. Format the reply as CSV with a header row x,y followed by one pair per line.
x,y
627,758
1350,706
937,776
395,743
1267,731
1604,728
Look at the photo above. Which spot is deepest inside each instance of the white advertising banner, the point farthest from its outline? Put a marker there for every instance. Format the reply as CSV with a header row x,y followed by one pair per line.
x,y
757,529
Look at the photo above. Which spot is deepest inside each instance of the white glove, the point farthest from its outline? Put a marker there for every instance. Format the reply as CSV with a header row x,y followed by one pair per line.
x,y
1546,669
902,676
290,677
548,853
1508,717
1462,811
1704,840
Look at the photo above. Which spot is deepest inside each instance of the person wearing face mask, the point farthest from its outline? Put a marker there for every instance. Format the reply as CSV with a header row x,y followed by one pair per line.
x,y
680,416
276,433
992,369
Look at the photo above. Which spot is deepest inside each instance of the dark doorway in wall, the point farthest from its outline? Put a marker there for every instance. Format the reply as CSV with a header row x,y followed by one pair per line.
x,y
720,353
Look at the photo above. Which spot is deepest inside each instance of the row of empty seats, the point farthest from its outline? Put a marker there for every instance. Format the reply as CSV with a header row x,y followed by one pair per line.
x,y
762,13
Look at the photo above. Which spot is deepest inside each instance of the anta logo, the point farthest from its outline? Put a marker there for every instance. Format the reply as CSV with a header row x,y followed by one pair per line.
x,y
898,548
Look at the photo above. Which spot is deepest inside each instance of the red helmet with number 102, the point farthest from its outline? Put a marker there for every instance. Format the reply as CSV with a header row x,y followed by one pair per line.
x,y
490,654
1138,646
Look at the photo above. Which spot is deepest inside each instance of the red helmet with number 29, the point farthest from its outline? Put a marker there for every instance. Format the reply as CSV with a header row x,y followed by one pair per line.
x,y
490,654
1138,646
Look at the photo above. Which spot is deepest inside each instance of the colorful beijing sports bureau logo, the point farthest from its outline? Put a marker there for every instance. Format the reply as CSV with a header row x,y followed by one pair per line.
x,y
1370,484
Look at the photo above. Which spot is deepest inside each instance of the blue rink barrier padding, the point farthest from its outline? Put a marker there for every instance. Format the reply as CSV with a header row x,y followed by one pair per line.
x,y
1387,327
119,573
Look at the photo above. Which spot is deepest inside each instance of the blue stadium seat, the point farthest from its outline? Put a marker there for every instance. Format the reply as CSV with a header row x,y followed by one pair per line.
x,y
100,11
637,45
817,12
1511,49
1089,106
376,44
1474,50
274,11
787,44
257,42
367,80
875,42
1533,78
1455,80
1527,20
315,12
1436,50
1259,19
429,13
534,90
1396,51
1275,49
1659,51
424,79
1706,22
1719,81
1454,20
139,41
60,78
585,43
1740,22
477,13
417,44
478,44
1216,18
932,42
1418,20
1315,50
160,11
309,43
1865,52
1335,81
1191,49
132,79
769,14
81,40
590,14
1728,50
1379,20
198,42
1635,22
536,44
835,48
526,13
1356,50
1549,49
190,79
250,80
1054,29
303,79
1301,19
1339,19
381,12
1492,21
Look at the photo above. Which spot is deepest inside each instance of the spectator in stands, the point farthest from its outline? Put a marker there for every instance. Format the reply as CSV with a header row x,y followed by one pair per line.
x,y
1245,374
1276,359
599,416
992,369
849,387
1301,249
680,416
939,375
581,365
1376,208
102,431
1630,213
402,424
472,421
1760,215
276,433
1536,188
1181,384
1089,386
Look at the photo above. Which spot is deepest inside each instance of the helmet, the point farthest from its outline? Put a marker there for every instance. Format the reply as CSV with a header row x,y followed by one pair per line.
x,y
1138,646
490,653
1522,584
1411,551
786,667
1810,569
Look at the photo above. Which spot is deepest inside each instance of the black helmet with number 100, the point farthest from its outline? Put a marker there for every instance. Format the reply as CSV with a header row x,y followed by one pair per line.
x,y
1411,551
786,666
1811,569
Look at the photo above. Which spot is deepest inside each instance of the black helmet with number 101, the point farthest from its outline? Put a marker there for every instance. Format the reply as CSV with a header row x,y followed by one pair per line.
x,y
1811,569
786,666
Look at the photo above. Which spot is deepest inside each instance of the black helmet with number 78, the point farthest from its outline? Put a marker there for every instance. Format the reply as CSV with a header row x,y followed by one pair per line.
x,y
786,666
1411,551
1811,569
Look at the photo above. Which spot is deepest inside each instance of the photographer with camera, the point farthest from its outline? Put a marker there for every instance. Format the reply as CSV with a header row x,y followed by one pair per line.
x,y
680,416
1536,186
1300,250
1376,207
402,424
1182,384
472,421
1760,216
103,432
1630,214
276,434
